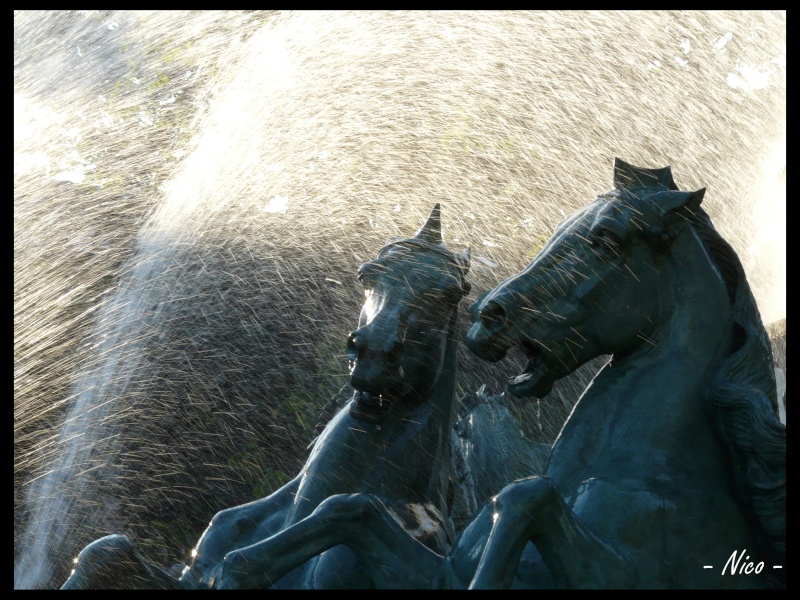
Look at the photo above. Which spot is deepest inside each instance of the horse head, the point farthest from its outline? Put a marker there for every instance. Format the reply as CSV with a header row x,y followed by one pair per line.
x,y
596,287
400,350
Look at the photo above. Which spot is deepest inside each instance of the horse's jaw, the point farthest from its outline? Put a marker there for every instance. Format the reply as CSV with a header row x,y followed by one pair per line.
x,y
410,389
375,407
536,379
547,355
370,407
545,364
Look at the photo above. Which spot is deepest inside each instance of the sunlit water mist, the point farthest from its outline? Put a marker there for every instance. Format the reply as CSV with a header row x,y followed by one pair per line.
x,y
87,438
766,254
191,203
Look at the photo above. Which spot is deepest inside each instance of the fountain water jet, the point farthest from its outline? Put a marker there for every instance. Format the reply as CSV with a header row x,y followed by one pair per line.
x,y
369,118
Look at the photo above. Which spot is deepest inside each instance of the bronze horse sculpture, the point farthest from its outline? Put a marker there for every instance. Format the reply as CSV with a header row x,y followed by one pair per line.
x,y
674,458
391,441
671,470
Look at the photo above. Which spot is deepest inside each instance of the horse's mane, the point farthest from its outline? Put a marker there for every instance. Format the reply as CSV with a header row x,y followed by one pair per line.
x,y
744,405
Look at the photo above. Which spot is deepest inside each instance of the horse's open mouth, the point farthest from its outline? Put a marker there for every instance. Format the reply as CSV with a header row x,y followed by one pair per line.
x,y
370,407
535,379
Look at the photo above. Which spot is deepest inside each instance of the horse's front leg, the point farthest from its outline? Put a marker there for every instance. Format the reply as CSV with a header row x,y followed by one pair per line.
x,y
532,510
233,528
391,555
114,563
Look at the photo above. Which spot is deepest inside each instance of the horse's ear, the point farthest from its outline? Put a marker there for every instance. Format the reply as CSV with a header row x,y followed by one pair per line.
x,y
671,202
465,258
627,176
431,232
661,236
696,199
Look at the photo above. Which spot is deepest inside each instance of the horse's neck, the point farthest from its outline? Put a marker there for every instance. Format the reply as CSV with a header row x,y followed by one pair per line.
x,y
644,412
405,458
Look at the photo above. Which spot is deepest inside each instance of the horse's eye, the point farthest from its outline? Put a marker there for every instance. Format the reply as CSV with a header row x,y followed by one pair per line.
x,y
607,242
365,276
453,294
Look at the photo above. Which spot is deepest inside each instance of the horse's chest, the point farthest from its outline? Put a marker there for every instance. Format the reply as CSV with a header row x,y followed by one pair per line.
x,y
635,515
338,568
668,533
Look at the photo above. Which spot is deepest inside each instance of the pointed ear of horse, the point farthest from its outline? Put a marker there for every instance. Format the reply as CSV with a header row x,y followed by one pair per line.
x,y
691,201
660,236
627,176
465,259
431,232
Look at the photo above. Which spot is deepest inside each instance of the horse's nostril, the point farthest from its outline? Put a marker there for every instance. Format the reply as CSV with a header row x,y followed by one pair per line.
x,y
354,350
492,315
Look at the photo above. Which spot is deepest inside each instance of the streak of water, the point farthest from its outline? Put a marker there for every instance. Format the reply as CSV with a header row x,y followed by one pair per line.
x,y
193,193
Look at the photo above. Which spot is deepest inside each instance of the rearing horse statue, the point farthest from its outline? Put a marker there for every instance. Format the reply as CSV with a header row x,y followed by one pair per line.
x,y
672,465
391,444
671,470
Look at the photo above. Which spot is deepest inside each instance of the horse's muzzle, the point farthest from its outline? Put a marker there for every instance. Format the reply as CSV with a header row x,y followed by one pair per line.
x,y
485,345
